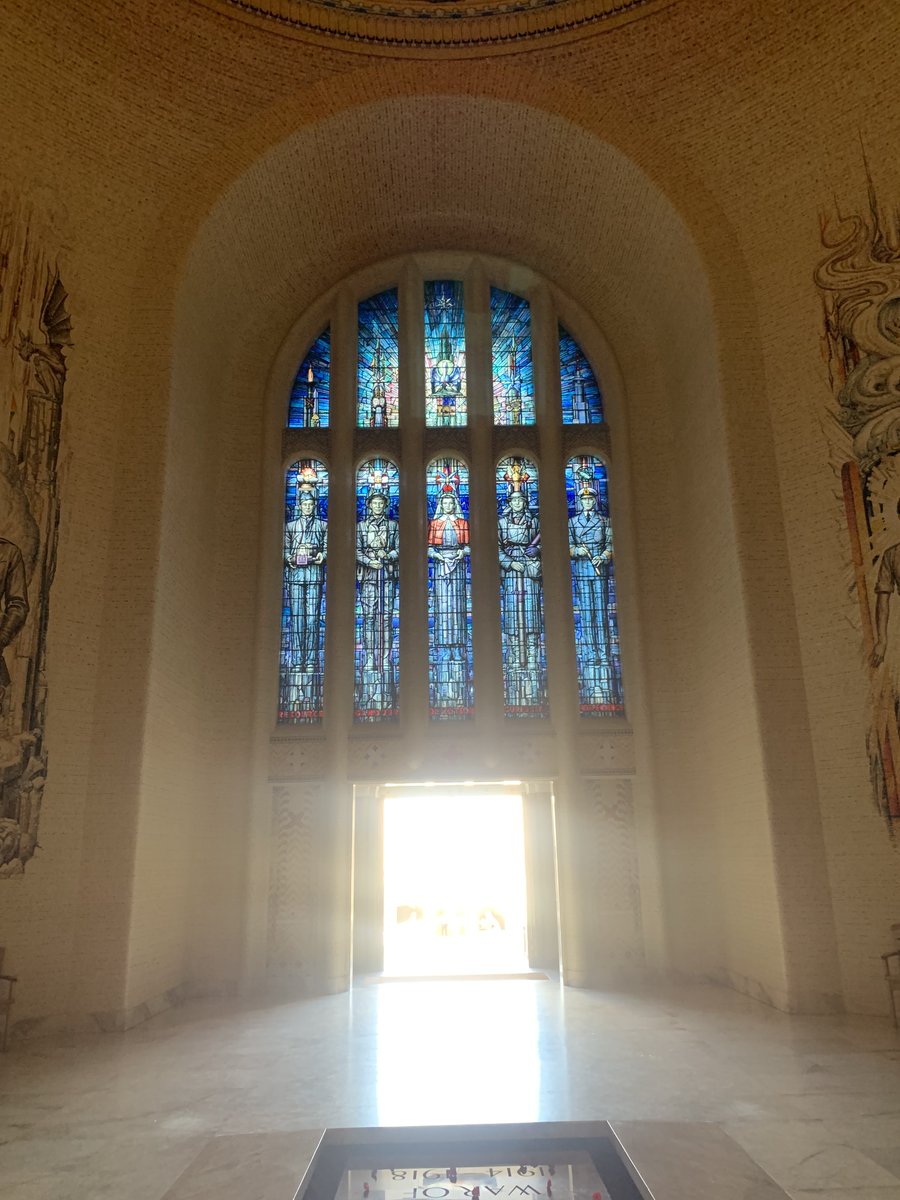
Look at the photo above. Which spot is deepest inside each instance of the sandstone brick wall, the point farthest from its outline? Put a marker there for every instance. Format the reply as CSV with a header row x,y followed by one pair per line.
x,y
206,180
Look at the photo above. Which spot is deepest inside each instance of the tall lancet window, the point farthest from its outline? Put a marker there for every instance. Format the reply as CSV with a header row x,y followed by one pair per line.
x,y
309,399
377,591
378,360
445,354
521,589
593,588
512,372
303,604
582,402
449,591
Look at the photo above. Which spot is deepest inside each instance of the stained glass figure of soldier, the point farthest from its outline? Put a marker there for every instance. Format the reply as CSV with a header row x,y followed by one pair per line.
x,y
448,554
521,592
305,551
377,574
591,554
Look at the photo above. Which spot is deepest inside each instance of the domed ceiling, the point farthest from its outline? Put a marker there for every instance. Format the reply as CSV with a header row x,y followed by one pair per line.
x,y
460,27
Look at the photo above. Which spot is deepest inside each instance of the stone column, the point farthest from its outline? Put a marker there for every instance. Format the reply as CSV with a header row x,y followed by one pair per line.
x,y
334,820
413,523
483,518
573,816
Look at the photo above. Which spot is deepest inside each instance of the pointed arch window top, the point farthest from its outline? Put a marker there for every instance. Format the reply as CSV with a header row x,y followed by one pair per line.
x,y
445,354
310,395
512,371
378,370
582,400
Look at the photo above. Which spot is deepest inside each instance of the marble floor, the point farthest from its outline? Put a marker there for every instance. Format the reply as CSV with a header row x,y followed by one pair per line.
x,y
814,1101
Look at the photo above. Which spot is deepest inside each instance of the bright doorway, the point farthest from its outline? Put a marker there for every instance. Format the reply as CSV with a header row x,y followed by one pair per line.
x,y
455,893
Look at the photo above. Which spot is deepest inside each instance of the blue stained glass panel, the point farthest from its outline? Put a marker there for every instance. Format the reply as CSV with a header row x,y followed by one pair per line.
x,y
377,591
445,354
303,595
513,374
378,374
582,402
521,589
449,591
593,588
310,393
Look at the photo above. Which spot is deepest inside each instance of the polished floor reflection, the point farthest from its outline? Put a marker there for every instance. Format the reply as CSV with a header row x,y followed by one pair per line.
x,y
814,1100
458,1053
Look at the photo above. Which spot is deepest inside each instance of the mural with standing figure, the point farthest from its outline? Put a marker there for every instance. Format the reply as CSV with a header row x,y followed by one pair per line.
x,y
35,331
859,283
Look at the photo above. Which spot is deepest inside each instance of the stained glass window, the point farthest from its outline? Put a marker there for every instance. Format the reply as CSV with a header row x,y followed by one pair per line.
x,y
582,403
593,588
513,375
303,604
378,360
449,591
310,393
521,589
445,354
377,591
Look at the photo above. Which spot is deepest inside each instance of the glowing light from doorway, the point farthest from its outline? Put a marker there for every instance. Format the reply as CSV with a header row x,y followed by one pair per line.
x,y
454,883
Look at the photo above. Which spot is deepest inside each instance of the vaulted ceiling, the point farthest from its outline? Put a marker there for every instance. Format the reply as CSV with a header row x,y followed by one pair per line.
x,y
442,25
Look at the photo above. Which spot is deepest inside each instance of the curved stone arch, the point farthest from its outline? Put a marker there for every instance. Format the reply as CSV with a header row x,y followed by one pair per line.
x,y
655,299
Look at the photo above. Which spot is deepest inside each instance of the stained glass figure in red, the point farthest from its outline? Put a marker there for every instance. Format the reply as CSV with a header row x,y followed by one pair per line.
x,y
449,591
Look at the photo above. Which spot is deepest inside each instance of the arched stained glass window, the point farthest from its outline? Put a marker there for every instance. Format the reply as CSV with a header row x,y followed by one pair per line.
x,y
445,354
377,591
497,337
512,371
449,591
593,587
582,402
521,589
310,393
303,605
378,360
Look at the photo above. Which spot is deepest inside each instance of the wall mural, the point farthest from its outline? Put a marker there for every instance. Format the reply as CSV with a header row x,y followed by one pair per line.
x,y
859,282
34,331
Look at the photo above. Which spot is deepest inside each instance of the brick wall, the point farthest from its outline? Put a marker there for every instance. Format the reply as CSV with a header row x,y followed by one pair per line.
x,y
205,181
